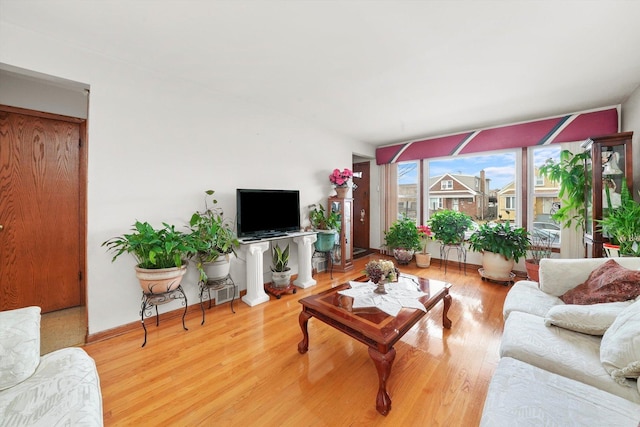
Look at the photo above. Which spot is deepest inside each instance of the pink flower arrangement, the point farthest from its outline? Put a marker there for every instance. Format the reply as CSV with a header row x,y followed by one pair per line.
x,y
340,179
425,234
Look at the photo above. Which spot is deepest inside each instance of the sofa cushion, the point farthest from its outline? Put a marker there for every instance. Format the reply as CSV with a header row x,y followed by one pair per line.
x,y
522,395
525,296
19,345
64,391
620,348
609,282
558,350
592,319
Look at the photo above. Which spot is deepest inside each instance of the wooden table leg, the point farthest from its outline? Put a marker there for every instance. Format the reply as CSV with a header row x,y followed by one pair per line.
x,y
446,322
303,345
383,364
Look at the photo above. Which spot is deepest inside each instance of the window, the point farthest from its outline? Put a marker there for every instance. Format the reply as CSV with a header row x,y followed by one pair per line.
x,y
510,202
408,189
477,185
544,198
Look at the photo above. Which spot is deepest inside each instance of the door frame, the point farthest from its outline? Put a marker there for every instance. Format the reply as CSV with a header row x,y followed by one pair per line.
x,y
82,185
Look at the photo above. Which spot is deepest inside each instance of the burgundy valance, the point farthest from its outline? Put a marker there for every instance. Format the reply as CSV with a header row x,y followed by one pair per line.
x,y
569,128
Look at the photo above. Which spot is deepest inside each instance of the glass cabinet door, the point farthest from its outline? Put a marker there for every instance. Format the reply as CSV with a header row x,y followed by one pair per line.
x,y
609,169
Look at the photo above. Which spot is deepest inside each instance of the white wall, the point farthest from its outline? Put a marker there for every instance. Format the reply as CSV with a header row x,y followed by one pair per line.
x,y
156,143
631,122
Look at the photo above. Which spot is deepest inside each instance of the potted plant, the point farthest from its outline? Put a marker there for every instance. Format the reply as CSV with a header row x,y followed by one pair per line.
x,y
423,258
574,181
213,240
449,226
403,238
540,247
501,246
340,181
160,254
622,224
327,224
280,270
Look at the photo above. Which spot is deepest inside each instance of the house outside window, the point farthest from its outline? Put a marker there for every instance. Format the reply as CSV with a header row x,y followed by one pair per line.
x,y
408,188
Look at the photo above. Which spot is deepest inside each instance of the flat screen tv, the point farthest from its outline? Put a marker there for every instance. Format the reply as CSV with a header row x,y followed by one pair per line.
x,y
267,213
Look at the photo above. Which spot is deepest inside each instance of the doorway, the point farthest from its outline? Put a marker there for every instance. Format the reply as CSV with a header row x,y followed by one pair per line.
x,y
42,210
361,212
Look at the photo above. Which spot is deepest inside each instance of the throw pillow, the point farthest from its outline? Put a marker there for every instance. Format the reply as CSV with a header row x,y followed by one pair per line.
x,y
592,319
620,346
19,345
610,282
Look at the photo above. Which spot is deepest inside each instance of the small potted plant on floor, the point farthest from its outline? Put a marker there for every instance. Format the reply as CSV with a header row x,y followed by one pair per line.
x,y
160,253
214,240
501,246
541,247
280,270
404,239
327,224
423,258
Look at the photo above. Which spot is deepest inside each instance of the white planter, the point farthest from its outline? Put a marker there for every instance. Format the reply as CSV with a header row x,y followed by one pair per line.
x,y
423,260
496,267
218,269
281,279
160,280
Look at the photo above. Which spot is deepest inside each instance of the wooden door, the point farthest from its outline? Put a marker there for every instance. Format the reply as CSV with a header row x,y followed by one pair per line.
x,y
361,207
40,211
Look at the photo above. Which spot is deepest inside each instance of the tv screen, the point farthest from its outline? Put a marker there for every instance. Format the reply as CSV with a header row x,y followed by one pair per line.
x,y
267,213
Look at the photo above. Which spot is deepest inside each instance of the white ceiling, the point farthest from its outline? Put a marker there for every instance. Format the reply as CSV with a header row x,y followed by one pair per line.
x,y
376,71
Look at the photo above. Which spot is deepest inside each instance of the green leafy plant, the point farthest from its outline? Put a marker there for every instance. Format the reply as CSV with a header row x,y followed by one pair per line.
x,y
574,180
623,223
323,220
211,234
511,243
280,259
152,248
403,234
449,226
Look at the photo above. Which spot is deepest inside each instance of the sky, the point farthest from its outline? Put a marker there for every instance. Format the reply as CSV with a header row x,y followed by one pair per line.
x,y
499,167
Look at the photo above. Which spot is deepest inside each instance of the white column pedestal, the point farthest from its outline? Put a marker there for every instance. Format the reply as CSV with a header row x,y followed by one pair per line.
x,y
305,252
255,280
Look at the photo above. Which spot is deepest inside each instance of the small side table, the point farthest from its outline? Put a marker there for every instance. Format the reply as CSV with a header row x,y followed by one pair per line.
x,y
215,284
150,300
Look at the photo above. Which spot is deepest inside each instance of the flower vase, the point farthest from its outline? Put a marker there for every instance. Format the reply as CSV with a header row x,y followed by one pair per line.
x,y
380,287
342,192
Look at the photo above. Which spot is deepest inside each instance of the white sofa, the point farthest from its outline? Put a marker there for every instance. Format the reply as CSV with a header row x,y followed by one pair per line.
x,y
564,364
59,388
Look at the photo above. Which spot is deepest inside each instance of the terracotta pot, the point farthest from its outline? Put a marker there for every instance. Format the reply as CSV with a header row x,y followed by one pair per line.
x,y
611,250
423,260
160,280
342,192
533,270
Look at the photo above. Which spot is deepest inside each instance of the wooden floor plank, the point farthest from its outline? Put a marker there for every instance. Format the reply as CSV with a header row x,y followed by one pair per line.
x,y
244,369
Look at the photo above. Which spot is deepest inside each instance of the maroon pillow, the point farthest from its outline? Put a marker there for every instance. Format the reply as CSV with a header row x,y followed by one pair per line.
x,y
610,282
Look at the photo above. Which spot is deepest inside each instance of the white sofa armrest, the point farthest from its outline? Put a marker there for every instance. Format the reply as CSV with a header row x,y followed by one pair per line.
x,y
557,276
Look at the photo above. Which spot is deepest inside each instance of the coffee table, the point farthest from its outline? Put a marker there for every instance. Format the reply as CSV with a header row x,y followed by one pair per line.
x,y
371,326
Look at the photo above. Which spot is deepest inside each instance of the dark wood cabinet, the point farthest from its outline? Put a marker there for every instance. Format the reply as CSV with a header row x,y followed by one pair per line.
x,y
343,251
610,168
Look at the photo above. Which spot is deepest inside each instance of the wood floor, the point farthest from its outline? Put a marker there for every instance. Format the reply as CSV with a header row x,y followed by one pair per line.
x,y
244,369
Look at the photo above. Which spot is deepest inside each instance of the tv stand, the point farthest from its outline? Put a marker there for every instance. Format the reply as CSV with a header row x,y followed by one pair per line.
x,y
254,250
